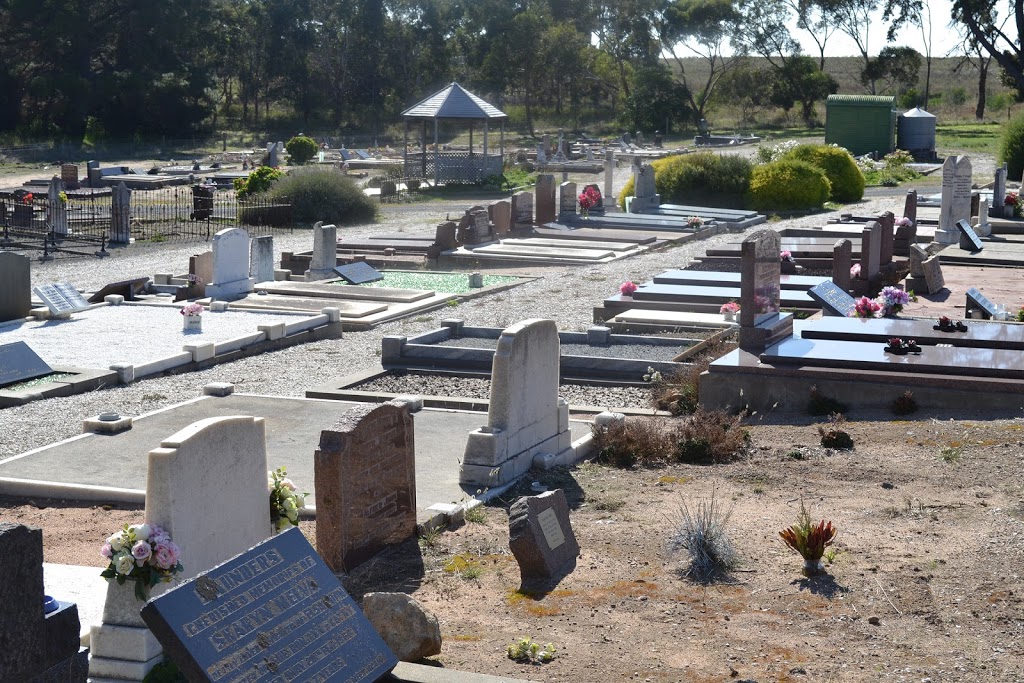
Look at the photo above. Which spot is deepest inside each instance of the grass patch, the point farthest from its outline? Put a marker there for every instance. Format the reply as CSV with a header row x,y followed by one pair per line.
x,y
968,137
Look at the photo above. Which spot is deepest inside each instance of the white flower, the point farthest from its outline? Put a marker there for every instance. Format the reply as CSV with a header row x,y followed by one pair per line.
x,y
124,563
141,531
289,504
300,501
115,542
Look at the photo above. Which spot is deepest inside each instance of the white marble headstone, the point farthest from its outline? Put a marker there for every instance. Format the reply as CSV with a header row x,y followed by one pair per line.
x,y
230,265
956,198
261,258
325,253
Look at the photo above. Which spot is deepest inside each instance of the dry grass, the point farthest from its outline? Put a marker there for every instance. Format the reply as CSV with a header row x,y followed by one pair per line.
x,y
704,436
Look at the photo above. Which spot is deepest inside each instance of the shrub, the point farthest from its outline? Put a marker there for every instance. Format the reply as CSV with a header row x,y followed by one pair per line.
x,y
710,435
788,185
702,437
301,149
820,404
839,166
834,436
259,181
642,441
705,178
324,194
701,532
1011,146
904,404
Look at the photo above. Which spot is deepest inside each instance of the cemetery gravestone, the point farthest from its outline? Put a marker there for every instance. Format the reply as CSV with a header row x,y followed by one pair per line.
x,y
983,228
871,251
206,485
501,216
365,470
522,211
261,258
230,265
274,612
61,298
541,536
645,194
842,261
37,646
760,278
545,201
525,417
933,275
56,208
918,255
910,206
834,300
19,363
120,214
886,224
358,273
978,305
272,155
325,253
597,208
609,171
998,193
445,237
69,176
542,157
15,286
969,240
956,198
567,199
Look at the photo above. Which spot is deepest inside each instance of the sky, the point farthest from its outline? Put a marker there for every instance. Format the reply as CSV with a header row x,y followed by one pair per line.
x,y
840,45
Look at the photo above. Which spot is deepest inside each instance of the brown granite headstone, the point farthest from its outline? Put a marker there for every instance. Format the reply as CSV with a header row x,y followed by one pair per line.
x,y
887,223
760,277
15,286
870,251
545,204
501,216
541,537
365,480
522,211
842,261
69,176
910,206
445,236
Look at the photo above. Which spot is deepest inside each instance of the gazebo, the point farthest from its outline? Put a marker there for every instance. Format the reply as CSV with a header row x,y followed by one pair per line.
x,y
453,102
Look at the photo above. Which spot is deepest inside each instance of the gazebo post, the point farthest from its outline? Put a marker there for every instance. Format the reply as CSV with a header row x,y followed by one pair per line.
x,y
423,149
487,162
435,152
502,147
405,150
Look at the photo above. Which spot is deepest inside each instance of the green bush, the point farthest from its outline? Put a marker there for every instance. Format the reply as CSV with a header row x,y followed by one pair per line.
x,y
258,181
840,168
702,179
788,185
301,149
324,194
1011,146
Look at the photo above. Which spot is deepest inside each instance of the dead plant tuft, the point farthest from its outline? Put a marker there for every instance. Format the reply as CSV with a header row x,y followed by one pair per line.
x,y
714,436
704,436
701,532
636,441
678,392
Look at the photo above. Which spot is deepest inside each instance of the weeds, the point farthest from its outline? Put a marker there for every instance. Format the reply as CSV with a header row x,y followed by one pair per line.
x,y
904,404
678,392
835,436
820,405
704,436
531,652
429,538
701,533
465,565
476,515
952,454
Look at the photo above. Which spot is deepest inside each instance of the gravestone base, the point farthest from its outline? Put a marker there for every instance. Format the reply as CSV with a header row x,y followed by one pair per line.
x,y
226,291
947,236
917,285
103,668
759,337
493,446
74,669
122,647
641,204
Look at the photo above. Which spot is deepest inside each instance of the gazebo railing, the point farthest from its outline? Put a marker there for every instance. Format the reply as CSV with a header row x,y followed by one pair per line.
x,y
454,167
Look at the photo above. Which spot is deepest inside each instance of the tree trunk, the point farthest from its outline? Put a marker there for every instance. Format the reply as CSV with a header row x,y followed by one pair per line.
x,y
979,111
927,79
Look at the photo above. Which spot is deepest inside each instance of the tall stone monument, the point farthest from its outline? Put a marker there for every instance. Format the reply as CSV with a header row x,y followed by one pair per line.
x,y
645,194
761,323
325,253
956,198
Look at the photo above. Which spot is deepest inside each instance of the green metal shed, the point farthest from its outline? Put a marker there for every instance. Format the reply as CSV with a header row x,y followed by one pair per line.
x,y
861,123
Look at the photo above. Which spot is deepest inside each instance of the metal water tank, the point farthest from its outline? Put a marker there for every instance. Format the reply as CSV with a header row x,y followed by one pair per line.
x,y
915,132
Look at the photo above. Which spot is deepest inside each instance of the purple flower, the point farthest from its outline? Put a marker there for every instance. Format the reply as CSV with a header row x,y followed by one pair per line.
x,y
106,551
141,551
165,559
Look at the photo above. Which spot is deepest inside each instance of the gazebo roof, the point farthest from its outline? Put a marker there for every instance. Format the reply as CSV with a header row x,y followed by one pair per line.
x,y
453,102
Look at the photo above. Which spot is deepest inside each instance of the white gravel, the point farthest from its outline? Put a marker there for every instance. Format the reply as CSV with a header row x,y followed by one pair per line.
x,y
100,337
564,294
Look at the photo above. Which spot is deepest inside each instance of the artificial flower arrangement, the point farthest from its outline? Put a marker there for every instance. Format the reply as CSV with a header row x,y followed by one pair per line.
x,y
902,346
627,288
694,222
729,307
786,256
904,223
946,324
143,553
285,503
809,539
865,308
588,199
855,270
1013,200
192,309
27,199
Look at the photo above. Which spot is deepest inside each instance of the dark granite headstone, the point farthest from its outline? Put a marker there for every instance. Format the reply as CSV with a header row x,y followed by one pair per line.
x,y
33,643
275,612
842,261
969,240
358,272
365,478
15,287
129,289
541,536
61,298
761,323
833,300
18,363
976,301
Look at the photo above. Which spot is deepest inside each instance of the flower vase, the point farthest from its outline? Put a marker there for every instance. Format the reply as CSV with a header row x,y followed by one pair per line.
x,y
813,567
729,316
1008,210
192,323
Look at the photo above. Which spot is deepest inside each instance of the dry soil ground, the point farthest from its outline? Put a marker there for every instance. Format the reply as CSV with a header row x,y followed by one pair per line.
x,y
926,581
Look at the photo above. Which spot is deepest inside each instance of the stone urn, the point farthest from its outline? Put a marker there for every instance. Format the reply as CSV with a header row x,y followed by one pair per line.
x,y
729,316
